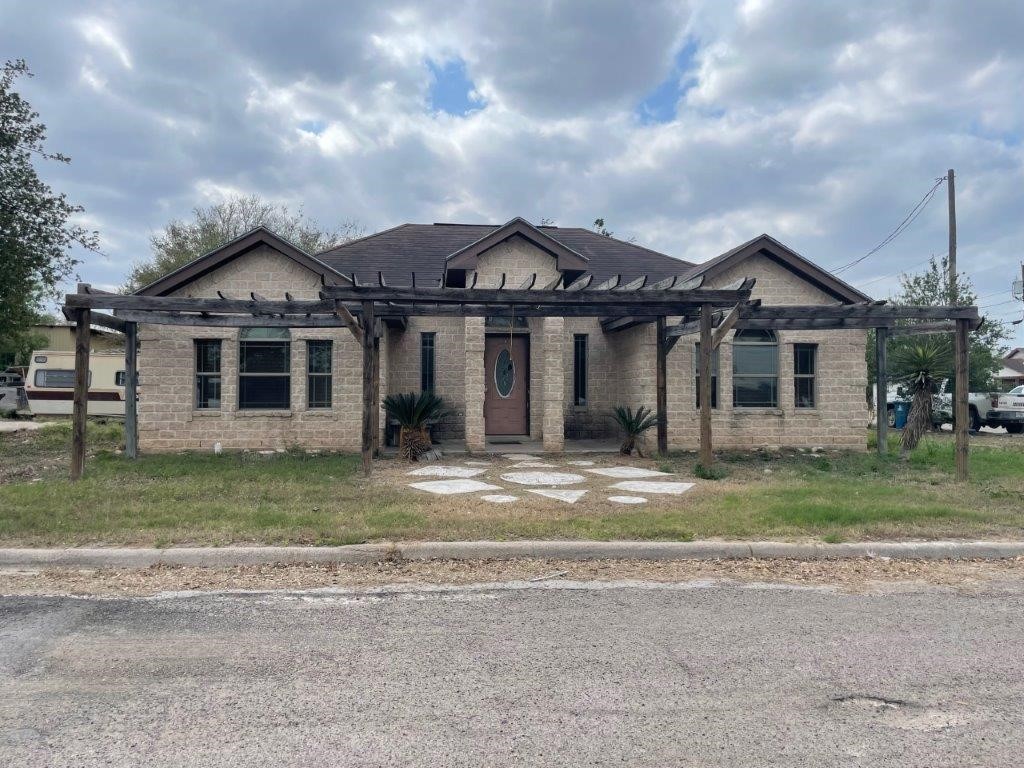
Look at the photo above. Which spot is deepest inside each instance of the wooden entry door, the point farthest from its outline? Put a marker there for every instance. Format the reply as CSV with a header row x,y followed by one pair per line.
x,y
507,385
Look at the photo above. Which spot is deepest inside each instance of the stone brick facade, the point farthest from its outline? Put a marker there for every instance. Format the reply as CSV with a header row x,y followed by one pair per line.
x,y
621,370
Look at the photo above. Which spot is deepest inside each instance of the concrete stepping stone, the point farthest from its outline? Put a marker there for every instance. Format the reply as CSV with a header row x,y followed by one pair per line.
x,y
649,486
535,465
499,498
624,473
628,499
520,457
479,463
442,471
449,487
562,494
580,463
542,478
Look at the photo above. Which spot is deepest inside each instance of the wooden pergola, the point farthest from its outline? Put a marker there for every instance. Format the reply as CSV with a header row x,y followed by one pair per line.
x,y
365,309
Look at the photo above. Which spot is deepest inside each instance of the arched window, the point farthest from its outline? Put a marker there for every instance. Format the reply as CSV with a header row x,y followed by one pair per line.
x,y
264,368
755,369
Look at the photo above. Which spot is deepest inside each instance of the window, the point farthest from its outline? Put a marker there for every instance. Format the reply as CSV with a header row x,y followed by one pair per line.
x,y
579,369
805,370
427,361
714,375
264,369
318,373
755,369
207,373
503,321
120,379
57,378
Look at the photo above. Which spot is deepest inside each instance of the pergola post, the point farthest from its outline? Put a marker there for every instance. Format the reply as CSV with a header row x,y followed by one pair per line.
x,y
131,422
80,408
661,385
376,393
881,391
961,414
369,406
707,455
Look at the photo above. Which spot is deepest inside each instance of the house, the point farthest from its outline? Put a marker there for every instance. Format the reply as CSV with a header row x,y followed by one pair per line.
x,y
1012,373
546,379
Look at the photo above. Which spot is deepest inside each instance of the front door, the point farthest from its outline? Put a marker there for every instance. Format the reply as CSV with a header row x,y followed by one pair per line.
x,y
507,385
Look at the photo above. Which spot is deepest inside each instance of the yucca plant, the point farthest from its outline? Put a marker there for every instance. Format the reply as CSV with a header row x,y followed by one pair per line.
x,y
412,412
920,366
634,425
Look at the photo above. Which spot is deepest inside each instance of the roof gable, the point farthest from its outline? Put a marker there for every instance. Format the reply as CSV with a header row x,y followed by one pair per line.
x,y
768,246
468,256
232,250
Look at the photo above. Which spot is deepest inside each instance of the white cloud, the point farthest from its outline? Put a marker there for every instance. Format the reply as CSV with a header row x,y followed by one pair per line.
x,y
821,123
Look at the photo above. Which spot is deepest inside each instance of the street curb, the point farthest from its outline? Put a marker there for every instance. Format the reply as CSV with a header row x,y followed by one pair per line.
x,y
510,550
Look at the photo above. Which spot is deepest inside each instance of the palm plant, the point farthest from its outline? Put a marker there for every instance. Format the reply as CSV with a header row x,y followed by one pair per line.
x,y
412,412
634,425
920,366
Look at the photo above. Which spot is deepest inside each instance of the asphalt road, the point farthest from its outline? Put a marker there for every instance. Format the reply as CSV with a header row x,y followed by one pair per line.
x,y
668,676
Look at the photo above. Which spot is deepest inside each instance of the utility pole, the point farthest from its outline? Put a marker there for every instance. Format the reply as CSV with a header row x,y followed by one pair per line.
x,y
951,191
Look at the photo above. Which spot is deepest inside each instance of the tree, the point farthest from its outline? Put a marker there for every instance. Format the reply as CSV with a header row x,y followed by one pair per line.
x,y
36,232
920,364
209,228
931,288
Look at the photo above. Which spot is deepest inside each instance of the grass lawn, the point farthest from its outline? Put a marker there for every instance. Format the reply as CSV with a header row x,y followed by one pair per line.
x,y
299,498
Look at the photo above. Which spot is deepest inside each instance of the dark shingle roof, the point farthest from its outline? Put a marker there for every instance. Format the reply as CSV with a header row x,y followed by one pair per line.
x,y
423,248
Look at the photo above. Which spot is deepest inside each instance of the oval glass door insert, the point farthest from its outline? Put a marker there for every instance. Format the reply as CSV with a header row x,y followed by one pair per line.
x,y
504,373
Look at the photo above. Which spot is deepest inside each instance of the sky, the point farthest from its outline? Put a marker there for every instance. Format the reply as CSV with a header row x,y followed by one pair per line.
x,y
688,126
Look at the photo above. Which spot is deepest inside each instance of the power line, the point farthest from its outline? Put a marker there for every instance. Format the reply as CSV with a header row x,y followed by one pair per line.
x,y
900,228
901,272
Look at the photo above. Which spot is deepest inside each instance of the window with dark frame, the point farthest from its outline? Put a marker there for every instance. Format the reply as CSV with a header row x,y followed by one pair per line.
x,y
264,369
714,375
208,381
805,375
427,362
579,369
755,369
319,372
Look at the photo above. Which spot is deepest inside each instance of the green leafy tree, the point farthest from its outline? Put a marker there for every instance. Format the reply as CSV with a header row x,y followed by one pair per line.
x,y
37,234
209,228
931,288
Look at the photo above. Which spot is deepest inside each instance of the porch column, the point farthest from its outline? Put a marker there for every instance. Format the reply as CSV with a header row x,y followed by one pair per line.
x,y
476,441
553,426
131,423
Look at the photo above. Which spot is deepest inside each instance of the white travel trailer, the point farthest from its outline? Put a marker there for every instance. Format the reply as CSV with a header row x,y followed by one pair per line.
x,y
51,383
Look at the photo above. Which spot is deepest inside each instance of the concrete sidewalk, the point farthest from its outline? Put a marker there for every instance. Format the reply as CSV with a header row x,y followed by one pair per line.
x,y
123,557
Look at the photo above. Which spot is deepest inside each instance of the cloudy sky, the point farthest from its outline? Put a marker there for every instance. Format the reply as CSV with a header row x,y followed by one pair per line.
x,y
690,126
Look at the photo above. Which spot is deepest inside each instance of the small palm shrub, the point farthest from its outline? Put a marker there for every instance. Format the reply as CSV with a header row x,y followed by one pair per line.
x,y
412,412
634,425
920,366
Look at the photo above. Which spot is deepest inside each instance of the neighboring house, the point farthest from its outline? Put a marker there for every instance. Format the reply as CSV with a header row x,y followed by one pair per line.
x,y
1012,373
60,337
547,379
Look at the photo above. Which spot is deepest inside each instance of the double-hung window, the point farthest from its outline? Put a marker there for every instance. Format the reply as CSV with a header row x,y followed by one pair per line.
x,y
579,369
207,373
714,375
264,369
427,362
318,373
755,369
805,374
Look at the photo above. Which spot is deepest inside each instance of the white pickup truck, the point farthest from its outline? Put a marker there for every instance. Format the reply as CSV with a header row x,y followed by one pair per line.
x,y
980,406
1009,411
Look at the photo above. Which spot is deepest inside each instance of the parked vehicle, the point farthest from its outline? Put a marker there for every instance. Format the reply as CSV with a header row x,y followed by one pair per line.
x,y
979,406
11,379
51,383
1009,411
13,399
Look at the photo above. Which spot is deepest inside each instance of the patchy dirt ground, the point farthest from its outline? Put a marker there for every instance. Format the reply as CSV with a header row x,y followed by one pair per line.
x,y
864,575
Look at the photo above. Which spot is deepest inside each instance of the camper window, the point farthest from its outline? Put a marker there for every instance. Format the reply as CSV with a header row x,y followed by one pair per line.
x,y
57,378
